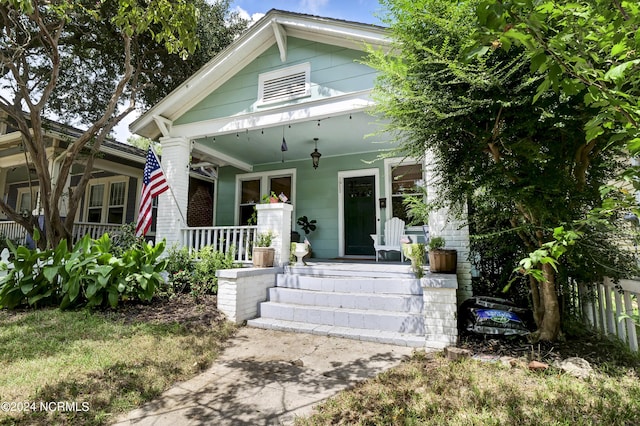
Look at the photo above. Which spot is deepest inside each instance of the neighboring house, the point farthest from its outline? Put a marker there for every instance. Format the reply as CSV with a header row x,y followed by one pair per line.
x,y
111,197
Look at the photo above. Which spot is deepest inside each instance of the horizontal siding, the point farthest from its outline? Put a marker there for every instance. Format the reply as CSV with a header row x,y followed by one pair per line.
x,y
334,71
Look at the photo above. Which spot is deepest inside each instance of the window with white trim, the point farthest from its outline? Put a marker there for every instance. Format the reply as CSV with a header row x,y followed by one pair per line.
x,y
402,178
27,198
106,200
284,84
252,187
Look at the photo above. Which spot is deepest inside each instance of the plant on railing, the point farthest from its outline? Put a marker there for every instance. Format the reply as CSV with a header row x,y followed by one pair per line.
x,y
87,275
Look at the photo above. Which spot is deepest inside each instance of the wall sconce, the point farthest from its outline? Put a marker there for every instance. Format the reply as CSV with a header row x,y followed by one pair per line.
x,y
383,203
315,155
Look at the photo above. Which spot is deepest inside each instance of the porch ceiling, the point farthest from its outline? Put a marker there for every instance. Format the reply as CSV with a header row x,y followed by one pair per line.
x,y
337,136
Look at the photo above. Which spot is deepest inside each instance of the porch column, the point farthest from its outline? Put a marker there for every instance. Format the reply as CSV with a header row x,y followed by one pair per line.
x,y
276,218
172,204
3,187
454,230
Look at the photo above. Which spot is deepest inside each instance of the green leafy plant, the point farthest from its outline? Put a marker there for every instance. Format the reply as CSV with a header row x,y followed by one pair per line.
x,y
416,207
208,263
180,268
264,239
87,275
306,224
436,243
416,253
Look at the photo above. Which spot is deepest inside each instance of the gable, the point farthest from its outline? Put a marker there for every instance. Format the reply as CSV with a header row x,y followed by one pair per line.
x,y
333,71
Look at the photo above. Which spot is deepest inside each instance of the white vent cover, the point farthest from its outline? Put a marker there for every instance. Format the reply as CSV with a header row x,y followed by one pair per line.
x,y
284,84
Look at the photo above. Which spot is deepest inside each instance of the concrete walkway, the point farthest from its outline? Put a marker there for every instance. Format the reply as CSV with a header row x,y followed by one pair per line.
x,y
268,377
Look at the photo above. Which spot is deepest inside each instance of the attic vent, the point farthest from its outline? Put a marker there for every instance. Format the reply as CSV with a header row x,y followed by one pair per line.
x,y
284,84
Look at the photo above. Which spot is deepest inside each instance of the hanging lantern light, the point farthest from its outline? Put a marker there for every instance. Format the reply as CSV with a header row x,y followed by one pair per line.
x,y
315,155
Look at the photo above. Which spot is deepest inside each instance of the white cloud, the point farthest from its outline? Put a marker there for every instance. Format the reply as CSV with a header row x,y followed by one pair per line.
x,y
245,15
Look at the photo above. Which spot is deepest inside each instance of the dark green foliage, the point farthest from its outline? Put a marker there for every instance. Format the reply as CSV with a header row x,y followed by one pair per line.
x,y
195,273
306,224
210,261
87,275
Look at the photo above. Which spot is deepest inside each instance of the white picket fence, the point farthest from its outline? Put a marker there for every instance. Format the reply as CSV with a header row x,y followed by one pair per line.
x,y
223,239
603,307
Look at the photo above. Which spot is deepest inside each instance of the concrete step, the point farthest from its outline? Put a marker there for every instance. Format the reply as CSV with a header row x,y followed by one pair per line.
x,y
386,337
405,303
369,270
399,322
351,284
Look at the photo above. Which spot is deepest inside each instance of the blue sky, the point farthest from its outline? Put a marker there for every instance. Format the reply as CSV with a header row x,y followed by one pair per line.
x,y
351,10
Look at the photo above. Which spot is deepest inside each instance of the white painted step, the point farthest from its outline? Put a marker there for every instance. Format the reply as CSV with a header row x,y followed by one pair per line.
x,y
351,285
386,337
400,322
406,303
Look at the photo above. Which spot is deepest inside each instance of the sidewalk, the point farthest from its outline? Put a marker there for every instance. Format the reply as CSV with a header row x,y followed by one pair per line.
x,y
267,377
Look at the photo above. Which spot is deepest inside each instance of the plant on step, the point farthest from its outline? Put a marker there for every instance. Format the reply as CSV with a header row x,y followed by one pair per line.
x,y
306,224
436,243
416,253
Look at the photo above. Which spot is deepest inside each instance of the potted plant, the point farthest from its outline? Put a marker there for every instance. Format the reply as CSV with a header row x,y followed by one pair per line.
x,y
441,259
418,210
263,253
307,226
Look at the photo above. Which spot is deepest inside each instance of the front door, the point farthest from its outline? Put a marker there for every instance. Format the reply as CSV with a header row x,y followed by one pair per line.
x,y
359,215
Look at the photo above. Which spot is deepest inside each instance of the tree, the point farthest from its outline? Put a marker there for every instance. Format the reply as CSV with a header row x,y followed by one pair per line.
x,y
90,63
573,46
522,168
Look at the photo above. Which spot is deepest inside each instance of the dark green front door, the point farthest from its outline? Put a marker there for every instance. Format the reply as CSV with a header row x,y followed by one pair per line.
x,y
359,215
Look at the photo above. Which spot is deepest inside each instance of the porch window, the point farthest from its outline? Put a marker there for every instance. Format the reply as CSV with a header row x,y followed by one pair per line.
x,y
26,199
107,202
404,178
249,198
252,187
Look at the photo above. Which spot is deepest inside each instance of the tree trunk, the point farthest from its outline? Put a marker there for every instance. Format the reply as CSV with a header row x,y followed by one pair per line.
x,y
549,327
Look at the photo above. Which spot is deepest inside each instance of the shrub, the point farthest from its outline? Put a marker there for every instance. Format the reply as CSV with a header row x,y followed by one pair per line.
x,y
87,275
180,269
210,260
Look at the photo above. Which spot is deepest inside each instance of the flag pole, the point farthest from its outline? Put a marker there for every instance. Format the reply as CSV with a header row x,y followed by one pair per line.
x,y
170,188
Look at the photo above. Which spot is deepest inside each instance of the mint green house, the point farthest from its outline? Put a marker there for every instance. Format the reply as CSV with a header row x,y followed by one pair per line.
x,y
246,125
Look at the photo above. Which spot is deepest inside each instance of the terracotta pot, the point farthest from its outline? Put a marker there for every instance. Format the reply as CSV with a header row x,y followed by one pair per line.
x,y
443,261
263,257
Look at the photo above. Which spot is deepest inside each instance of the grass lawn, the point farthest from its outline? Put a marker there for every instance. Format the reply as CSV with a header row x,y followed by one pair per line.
x,y
429,390
105,364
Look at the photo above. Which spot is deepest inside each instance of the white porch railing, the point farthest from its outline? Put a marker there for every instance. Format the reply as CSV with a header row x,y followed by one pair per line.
x,y
603,308
222,238
95,230
14,231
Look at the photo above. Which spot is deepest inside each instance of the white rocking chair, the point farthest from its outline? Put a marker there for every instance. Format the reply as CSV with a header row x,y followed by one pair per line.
x,y
393,234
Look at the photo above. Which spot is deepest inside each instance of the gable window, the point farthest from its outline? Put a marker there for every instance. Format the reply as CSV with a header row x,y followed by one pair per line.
x,y
284,84
252,187
402,178
107,200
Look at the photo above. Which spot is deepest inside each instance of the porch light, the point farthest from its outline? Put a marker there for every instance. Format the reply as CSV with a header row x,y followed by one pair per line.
x,y
315,155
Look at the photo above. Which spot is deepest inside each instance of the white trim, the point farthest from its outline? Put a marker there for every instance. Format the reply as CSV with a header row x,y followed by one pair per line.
x,y
224,159
281,38
389,163
264,184
289,114
107,182
349,174
35,197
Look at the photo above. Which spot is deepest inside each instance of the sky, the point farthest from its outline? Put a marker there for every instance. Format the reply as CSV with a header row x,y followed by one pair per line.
x,y
351,10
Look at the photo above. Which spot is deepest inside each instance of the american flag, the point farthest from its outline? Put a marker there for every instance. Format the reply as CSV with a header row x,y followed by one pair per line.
x,y
154,183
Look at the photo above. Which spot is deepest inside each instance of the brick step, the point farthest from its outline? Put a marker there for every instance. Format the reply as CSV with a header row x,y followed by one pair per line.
x,y
400,322
386,337
410,286
404,303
